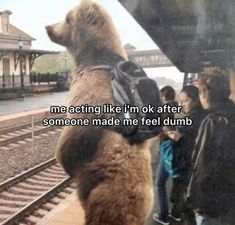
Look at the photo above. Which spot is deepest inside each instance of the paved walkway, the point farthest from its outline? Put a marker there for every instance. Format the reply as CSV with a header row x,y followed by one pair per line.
x,y
32,103
68,212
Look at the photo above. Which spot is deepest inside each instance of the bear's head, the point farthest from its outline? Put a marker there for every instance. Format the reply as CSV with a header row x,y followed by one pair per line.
x,y
86,28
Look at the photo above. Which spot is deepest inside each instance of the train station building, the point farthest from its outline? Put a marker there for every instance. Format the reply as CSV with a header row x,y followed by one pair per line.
x,y
16,55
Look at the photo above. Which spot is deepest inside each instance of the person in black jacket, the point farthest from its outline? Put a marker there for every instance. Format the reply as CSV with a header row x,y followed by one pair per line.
x,y
190,102
185,137
211,191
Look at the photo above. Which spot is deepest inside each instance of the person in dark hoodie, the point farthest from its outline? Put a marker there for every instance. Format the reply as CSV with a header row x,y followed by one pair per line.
x,y
211,190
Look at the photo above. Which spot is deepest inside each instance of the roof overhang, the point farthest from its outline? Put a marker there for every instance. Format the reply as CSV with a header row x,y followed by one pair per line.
x,y
32,53
36,51
12,37
193,34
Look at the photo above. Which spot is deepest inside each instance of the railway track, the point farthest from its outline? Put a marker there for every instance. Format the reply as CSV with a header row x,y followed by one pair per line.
x,y
18,133
27,197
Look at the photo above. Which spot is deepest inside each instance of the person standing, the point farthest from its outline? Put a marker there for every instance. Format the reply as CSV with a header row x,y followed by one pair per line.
x,y
211,191
185,137
168,97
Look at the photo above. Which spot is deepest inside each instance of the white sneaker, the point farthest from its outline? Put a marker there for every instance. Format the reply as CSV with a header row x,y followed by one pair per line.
x,y
156,218
177,219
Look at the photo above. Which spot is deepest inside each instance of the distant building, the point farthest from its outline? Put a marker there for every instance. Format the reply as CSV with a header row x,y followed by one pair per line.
x,y
16,55
129,48
147,58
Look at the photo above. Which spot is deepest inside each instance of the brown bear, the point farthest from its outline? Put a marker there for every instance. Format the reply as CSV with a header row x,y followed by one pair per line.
x,y
114,177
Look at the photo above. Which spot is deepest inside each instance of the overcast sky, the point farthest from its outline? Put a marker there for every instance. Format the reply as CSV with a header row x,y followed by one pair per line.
x,y
32,16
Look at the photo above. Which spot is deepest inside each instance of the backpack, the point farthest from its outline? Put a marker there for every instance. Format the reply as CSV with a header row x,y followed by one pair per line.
x,y
131,86
168,151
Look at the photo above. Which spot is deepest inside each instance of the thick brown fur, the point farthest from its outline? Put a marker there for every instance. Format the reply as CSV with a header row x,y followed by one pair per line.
x,y
114,178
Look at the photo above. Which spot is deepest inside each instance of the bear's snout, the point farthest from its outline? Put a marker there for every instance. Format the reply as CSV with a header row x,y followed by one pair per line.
x,y
58,33
53,34
49,30
48,27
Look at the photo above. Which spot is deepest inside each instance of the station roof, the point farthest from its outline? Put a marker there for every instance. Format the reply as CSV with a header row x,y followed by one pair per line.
x,y
33,53
192,33
16,33
26,50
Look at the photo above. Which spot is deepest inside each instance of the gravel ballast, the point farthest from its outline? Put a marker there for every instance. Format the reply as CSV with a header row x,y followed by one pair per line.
x,y
18,157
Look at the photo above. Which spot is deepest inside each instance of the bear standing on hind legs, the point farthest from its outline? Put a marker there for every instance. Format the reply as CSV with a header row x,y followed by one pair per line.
x,y
114,177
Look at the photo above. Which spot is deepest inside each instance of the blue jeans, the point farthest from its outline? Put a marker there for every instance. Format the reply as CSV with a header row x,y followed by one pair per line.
x,y
161,180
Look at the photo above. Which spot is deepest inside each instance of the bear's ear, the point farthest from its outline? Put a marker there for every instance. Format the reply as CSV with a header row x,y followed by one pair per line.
x,y
93,15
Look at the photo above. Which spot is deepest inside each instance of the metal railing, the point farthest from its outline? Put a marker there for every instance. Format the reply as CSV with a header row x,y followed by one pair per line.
x,y
13,80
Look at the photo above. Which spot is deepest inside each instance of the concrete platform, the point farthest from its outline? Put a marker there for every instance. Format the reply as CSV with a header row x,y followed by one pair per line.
x,y
32,103
20,111
69,212
11,120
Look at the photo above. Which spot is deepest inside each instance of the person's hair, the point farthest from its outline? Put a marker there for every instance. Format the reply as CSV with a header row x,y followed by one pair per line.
x,y
216,82
191,91
168,93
